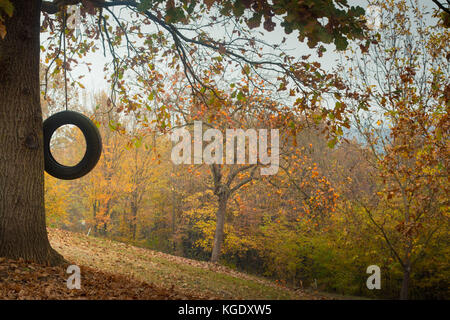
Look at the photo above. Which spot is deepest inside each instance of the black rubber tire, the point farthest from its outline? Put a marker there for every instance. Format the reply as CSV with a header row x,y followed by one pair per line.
x,y
93,145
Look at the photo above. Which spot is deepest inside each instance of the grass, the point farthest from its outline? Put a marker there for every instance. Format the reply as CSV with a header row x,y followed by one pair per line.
x,y
202,279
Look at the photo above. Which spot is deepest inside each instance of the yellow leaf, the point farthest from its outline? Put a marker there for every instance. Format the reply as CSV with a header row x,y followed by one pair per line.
x,y
7,7
2,31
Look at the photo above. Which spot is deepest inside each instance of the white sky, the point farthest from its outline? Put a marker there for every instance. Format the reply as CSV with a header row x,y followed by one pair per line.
x,y
94,81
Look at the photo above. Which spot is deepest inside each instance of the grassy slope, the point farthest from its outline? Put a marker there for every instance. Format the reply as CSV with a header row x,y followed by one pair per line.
x,y
190,277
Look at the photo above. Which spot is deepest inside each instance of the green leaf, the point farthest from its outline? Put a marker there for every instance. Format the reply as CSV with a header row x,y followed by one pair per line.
x,y
7,7
239,8
112,126
341,43
332,143
323,35
138,143
255,21
144,5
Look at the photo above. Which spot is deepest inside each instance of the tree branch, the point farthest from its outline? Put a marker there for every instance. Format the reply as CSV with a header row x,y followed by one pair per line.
x,y
441,6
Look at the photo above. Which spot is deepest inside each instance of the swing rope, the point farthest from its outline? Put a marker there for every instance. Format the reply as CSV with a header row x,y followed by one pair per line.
x,y
87,127
65,59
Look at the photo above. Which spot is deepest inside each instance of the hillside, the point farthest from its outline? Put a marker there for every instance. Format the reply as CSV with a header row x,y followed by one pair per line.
x,y
114,270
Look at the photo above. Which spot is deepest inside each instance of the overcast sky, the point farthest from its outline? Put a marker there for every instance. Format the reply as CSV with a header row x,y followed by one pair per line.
x,y
94,81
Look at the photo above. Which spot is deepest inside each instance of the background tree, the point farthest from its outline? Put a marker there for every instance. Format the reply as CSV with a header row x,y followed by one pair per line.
x,y
399,98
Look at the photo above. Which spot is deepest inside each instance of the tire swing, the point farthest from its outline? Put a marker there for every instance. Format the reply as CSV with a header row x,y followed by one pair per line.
x,y
93,145
90,132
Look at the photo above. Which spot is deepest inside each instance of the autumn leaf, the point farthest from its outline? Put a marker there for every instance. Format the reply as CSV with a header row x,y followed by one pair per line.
x,y
209,3
7,7
2,30
222,49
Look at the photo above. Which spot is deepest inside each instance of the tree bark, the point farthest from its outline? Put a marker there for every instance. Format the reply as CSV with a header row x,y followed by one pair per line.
x,y
220,222
134,211
404,292
94,210
23,231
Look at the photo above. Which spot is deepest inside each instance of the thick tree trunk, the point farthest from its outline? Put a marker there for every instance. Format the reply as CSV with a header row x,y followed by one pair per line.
x,y
23,231
220,223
